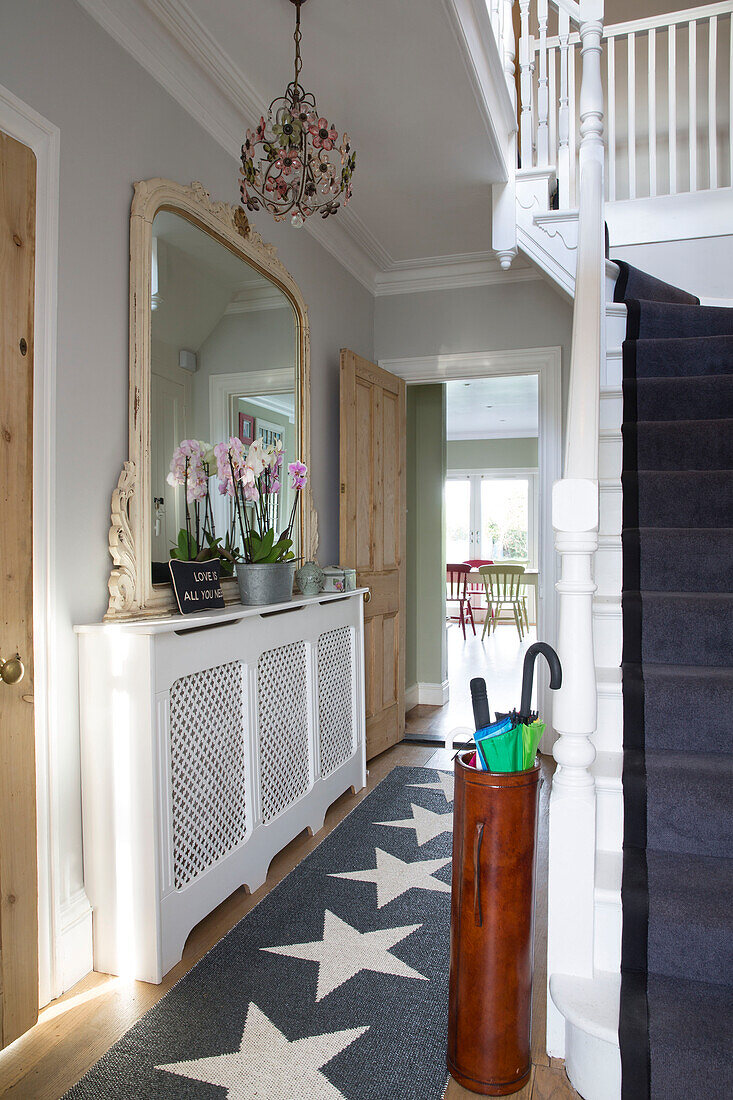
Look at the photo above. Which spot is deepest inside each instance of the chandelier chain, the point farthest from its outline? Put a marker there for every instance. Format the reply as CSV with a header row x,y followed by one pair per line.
x,y
297,37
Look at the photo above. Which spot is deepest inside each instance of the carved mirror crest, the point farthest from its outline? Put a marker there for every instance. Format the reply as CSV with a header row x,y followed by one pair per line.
x,y
219,346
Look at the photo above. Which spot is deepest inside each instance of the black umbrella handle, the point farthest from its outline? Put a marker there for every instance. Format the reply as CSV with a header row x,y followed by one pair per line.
x,y
481,715
528,674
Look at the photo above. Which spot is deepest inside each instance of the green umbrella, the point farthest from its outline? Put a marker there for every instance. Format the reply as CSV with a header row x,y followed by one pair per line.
x,y
504,751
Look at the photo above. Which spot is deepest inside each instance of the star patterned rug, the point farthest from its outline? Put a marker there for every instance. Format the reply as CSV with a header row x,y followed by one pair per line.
x,y
334,987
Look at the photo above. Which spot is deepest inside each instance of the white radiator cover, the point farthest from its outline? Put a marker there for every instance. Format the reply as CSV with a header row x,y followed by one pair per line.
x,y
208,743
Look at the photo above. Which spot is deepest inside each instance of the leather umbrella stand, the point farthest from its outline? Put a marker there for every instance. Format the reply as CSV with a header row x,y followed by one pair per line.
x,y
492,928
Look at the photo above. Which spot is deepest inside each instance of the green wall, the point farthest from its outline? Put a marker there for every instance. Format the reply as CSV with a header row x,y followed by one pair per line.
x,y
426,469
492,454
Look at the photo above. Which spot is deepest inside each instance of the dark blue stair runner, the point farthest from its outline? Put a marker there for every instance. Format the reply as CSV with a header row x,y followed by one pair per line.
x,y
676,1021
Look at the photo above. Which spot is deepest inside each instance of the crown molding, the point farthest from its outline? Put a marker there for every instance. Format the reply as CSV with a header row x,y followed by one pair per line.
x,y
252,299
448,273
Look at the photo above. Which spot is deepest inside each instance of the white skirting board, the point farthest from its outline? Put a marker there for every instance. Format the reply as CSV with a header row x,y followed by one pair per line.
x,y
75,941
430,695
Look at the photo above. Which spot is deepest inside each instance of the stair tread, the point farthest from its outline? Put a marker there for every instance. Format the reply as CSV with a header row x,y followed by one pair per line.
x,y
591,1004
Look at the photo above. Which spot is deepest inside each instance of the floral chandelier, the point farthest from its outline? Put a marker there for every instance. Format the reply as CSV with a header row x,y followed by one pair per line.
x,y
290,163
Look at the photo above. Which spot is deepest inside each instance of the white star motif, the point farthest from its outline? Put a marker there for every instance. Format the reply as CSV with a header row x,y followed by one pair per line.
x,y
394,876
444,783
267,1064
345,951
427,825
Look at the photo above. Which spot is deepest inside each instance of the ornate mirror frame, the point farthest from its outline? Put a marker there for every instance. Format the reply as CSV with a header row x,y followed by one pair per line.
x,y
131,591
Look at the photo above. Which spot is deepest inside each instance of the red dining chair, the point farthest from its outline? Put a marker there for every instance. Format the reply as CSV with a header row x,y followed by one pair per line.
x,y
456,579
475,589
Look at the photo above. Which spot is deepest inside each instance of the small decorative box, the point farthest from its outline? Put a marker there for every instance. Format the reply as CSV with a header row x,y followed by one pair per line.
x,y
335,579
349,580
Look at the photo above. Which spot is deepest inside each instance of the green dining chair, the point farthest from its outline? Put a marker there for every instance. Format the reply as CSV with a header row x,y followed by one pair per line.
x,y
503,584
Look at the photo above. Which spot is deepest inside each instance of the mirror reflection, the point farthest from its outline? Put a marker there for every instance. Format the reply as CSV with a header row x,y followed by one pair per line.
x,y
223,363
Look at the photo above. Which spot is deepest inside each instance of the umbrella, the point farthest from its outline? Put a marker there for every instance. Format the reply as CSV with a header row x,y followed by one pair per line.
x,y
510,743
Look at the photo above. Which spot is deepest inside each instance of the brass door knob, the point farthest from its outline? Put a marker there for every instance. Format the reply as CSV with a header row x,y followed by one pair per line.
x,y
13,670
368,596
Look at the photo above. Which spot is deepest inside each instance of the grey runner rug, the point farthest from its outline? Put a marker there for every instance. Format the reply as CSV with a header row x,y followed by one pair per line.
x,y
334,987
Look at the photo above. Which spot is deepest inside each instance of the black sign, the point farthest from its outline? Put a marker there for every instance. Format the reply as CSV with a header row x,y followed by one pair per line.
x,y
197,584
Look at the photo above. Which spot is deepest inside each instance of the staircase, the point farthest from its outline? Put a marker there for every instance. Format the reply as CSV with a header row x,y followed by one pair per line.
x,y
677,683
663,151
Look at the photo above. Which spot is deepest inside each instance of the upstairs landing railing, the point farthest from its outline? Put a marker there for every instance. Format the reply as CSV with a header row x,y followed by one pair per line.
x,y
668,94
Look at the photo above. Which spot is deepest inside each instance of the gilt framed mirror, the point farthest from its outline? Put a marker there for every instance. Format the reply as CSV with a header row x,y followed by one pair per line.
x,y
219,347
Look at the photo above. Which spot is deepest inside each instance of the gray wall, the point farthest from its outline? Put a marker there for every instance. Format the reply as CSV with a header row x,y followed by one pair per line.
x,y
118,125
482,318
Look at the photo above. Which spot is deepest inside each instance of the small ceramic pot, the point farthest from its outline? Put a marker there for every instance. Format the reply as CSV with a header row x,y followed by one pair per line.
x,y
310,579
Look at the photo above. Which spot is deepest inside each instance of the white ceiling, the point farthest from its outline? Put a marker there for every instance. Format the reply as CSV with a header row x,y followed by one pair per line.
x,y
492,408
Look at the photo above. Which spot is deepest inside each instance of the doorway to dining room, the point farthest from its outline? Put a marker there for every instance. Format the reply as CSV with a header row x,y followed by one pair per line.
x,y
482,453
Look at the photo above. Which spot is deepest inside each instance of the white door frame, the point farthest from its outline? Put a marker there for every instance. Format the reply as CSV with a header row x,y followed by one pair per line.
x,y
546,364
25,125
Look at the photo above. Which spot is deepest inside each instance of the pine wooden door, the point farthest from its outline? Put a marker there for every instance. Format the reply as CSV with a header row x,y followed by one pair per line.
x,y
18,862
372,533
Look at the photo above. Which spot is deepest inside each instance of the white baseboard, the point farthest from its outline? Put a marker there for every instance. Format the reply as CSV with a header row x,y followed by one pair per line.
x,y
75,940
411,697
433,695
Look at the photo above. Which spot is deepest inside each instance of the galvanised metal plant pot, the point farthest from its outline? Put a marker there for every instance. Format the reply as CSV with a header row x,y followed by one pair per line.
x,y
264,584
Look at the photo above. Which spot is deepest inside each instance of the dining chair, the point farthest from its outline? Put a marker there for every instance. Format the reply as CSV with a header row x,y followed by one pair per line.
x,y
502,584
456,581
475,589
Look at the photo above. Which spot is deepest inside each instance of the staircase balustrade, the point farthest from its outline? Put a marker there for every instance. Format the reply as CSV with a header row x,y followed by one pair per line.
x,y
669,105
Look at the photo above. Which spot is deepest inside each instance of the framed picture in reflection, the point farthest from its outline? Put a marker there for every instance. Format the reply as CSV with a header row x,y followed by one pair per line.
x,y
246,428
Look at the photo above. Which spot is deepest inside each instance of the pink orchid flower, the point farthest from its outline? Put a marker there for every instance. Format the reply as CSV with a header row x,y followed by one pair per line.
x,y
298,474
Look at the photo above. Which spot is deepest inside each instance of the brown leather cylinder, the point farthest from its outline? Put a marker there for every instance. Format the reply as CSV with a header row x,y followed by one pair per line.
x,y
492,928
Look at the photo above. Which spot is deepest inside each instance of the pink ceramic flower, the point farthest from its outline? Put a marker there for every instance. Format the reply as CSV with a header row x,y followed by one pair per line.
x,y
322,134
287,160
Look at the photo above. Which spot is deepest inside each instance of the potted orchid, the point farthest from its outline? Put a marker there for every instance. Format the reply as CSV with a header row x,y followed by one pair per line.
x,y
192,465
252,478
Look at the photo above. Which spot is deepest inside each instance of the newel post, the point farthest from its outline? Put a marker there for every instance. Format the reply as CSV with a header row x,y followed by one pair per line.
x,y
575,510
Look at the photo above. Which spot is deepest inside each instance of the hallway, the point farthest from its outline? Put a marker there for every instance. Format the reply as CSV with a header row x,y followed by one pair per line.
x,y
498,659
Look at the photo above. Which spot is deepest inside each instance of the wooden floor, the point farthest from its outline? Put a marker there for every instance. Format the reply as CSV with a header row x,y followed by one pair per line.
x,y
75,1031
499,658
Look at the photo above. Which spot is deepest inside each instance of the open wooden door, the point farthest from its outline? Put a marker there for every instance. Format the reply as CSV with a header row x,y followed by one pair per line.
x,y
372,533
18,859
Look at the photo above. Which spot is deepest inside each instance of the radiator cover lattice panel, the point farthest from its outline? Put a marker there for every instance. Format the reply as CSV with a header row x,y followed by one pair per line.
x,y
207,748
282,703
335,699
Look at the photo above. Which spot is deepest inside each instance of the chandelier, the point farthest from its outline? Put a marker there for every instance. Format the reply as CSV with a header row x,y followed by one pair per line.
x,y
293,162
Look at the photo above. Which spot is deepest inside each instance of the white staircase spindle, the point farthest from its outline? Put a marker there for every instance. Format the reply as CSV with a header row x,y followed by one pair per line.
x,y
495,17
692,100
563,116
509,51
611,116
543,99
712,114
672,106
552,97
525,87
572,107
652,108
631,113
